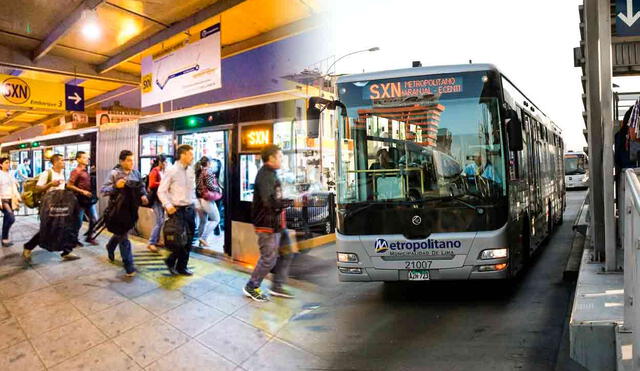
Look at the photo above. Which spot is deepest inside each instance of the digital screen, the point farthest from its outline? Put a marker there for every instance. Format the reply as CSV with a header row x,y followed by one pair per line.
x,y
255,137
407,87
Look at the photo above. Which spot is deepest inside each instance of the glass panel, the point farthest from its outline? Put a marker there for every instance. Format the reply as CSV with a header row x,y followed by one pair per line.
x,y
37,162
249,166
210,144
156,144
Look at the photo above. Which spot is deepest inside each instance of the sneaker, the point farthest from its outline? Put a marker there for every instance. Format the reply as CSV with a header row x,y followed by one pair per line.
x,y
7,243
185,272
281,292
131,272
255,294
70,256
26,254
92,242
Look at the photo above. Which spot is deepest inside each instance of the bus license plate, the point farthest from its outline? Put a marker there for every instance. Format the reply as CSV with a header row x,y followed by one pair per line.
x,y
418,275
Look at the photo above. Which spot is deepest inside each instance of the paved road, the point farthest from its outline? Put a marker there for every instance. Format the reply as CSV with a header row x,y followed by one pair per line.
x,y
445,326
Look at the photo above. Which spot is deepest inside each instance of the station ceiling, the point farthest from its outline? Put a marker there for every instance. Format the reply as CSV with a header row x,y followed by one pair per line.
x,y
46,40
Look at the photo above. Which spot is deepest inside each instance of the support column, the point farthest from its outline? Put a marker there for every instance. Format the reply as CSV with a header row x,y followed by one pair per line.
x,y
606,104
596,208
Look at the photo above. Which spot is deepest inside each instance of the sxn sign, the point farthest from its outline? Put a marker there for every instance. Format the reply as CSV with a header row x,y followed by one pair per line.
x,y
255,137
22,92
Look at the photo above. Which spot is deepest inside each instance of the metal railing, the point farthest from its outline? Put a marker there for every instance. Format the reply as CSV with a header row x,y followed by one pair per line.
x,y
630,237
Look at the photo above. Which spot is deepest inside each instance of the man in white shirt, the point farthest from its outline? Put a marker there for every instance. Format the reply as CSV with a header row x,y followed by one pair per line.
x,y
49,180
178,196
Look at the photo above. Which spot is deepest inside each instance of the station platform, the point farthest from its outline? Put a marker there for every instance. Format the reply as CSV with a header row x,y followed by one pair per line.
x,y
599,339
85,314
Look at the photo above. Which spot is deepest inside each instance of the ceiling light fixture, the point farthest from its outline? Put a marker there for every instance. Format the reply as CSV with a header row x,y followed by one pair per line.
x,y
91,29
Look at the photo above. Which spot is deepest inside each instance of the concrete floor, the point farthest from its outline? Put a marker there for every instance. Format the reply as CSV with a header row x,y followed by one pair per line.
x,y
446,326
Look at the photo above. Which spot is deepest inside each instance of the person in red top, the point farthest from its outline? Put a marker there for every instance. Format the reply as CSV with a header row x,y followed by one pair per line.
x,y
155,176
80,183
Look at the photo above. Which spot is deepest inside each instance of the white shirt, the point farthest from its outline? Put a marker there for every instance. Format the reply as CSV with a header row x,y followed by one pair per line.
x,y
178,186
8,187
44,177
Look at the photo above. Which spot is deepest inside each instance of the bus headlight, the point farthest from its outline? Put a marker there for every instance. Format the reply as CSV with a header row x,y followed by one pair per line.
x,y
493,254
347,270
347,257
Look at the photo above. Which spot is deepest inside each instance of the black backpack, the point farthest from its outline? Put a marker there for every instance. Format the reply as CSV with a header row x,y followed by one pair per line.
x,y
58,220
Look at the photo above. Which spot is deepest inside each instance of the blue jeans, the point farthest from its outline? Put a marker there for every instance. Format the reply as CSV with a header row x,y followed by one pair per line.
x,y
91,214
158,210
125,250
7,218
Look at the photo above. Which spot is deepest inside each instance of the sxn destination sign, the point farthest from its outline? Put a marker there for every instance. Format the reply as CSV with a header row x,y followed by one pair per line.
x,y
413,87
23,92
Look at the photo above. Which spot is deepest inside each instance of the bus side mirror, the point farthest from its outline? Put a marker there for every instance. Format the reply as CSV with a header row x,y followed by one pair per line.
x,y
514,131
313,121
313,115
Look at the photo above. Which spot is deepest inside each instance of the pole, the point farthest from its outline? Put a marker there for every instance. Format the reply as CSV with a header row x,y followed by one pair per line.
x,y
606,103
596,207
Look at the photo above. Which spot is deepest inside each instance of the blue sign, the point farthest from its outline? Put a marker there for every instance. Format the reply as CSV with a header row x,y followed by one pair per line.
x,y
628,17
73,97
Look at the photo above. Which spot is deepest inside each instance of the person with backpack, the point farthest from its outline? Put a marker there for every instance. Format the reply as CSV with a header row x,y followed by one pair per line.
x,y
80,183
50,180
8,196
208,191
155,177
177,194
126,191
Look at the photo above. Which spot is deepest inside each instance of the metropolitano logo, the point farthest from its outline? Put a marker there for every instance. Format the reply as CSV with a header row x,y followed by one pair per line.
x,y
381,245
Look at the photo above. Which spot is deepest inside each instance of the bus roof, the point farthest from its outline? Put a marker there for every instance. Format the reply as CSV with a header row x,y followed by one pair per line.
x,y
417,71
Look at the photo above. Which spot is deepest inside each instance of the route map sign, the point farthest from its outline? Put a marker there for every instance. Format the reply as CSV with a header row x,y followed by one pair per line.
x,y
22,92
191,69
628,17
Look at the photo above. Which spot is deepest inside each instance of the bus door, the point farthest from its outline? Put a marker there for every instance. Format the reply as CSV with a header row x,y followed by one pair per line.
x,y
531,162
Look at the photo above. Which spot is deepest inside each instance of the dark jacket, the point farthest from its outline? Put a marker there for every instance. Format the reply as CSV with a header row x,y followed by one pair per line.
x,y
268,204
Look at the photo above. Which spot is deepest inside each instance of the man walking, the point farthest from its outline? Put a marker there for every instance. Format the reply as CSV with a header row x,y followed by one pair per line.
x,y
80,183
124,181
52,179
269,223
178,197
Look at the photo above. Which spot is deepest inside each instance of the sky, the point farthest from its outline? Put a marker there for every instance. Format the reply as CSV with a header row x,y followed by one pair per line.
x,y
531,42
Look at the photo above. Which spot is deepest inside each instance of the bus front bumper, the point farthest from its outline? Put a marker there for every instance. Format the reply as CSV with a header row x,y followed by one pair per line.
x,y
448,274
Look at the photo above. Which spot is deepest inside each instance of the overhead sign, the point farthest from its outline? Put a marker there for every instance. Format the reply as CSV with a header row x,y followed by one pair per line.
x,y
191,69
628,17
74,97
18,91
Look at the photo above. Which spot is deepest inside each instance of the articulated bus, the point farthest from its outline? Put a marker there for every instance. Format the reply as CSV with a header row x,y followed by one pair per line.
x,y
444,173
576,169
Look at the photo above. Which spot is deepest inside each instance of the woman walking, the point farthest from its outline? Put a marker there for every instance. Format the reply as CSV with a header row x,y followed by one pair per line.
x,y
9,196
155,176
208,191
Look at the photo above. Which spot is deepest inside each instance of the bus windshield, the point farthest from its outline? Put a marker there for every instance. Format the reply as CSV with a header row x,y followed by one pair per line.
x,y
574,165
425,151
